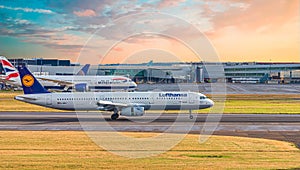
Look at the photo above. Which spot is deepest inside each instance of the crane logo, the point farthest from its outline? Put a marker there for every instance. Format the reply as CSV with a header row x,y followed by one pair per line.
x,y
27,80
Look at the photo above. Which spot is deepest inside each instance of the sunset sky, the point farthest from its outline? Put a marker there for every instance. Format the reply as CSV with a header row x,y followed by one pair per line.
x,y
106,31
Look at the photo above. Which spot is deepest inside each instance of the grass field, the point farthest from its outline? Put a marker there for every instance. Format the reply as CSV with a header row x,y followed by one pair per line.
x,y
7,103
276,104
74,150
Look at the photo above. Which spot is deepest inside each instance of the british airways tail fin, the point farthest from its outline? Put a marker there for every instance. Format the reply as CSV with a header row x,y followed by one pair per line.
x,y
10,71
29,82
84,70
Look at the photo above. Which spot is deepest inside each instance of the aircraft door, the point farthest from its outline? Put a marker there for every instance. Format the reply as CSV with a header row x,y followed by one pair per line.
x,y
191,98
49,100
151,99
101,97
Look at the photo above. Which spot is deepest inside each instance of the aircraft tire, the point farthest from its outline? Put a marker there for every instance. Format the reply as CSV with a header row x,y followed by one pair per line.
x,y
114,116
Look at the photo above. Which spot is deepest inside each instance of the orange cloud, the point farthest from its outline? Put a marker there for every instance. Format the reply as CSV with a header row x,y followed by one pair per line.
x,y
240,30
169,3
85,13
140,49
265,31
259,14
119,49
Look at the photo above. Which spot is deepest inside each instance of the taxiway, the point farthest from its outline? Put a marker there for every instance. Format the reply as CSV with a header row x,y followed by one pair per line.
x,y
271,126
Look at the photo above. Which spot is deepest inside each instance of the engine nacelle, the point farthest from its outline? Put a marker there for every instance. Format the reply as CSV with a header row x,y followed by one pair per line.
x,y
133,111
81,87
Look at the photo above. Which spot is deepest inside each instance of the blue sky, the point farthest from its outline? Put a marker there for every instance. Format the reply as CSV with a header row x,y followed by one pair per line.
x,y
239,30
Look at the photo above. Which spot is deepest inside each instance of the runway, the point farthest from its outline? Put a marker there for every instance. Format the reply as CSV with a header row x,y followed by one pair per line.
x,y
219,88
270,126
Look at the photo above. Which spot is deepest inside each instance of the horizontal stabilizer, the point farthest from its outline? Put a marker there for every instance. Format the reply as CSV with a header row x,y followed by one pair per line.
x,y
25,97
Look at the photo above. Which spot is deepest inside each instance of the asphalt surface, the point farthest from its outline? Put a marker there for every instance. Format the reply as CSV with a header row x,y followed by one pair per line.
x,y
269,126
222,88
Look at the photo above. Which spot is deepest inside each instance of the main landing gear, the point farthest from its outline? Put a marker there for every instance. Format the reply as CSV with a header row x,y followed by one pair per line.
x,y
115,115
191,116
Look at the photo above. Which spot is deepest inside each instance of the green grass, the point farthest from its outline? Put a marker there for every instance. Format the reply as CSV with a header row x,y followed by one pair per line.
x,y
7,103
259,104
248,104
74,150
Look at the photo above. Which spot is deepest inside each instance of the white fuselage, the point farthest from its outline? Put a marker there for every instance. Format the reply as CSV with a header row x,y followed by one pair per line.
x,y
148,100
94,83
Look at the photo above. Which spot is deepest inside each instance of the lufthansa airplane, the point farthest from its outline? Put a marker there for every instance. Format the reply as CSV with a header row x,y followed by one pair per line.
x,y
121,103
79,82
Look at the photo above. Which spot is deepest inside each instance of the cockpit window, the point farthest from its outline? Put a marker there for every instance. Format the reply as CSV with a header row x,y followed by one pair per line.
x,y
202,97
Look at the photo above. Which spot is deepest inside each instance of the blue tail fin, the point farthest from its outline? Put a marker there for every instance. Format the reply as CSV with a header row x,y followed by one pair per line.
x,y
84,70
29,82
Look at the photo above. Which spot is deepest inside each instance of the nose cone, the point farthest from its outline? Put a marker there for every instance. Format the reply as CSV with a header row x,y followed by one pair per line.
x,y
210,103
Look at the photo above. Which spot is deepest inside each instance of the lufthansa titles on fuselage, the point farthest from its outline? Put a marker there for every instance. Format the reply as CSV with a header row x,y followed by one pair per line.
x,y
173,94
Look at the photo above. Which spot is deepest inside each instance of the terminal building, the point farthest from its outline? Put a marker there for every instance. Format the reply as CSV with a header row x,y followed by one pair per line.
x,y
41,61
262,72
201,72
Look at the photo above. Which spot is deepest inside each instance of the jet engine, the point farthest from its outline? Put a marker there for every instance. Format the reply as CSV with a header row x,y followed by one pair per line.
x,y
81,87
133,111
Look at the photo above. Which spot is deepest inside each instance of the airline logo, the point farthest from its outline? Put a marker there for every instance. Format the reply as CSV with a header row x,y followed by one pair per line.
x,y
10,70
173,94
28,80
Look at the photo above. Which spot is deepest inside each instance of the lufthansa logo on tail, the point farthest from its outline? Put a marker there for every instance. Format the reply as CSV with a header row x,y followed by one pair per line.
x,y
28,80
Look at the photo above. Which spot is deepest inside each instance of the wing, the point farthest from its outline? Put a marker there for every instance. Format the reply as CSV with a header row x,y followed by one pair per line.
x,y
60,82
3,80
109,106
9,82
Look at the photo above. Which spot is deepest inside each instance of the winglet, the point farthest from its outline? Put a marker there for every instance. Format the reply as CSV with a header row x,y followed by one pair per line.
x,y
84,70
29,82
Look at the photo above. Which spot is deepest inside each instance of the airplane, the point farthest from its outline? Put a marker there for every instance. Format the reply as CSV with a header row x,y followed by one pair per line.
x,y
121,103
80,82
